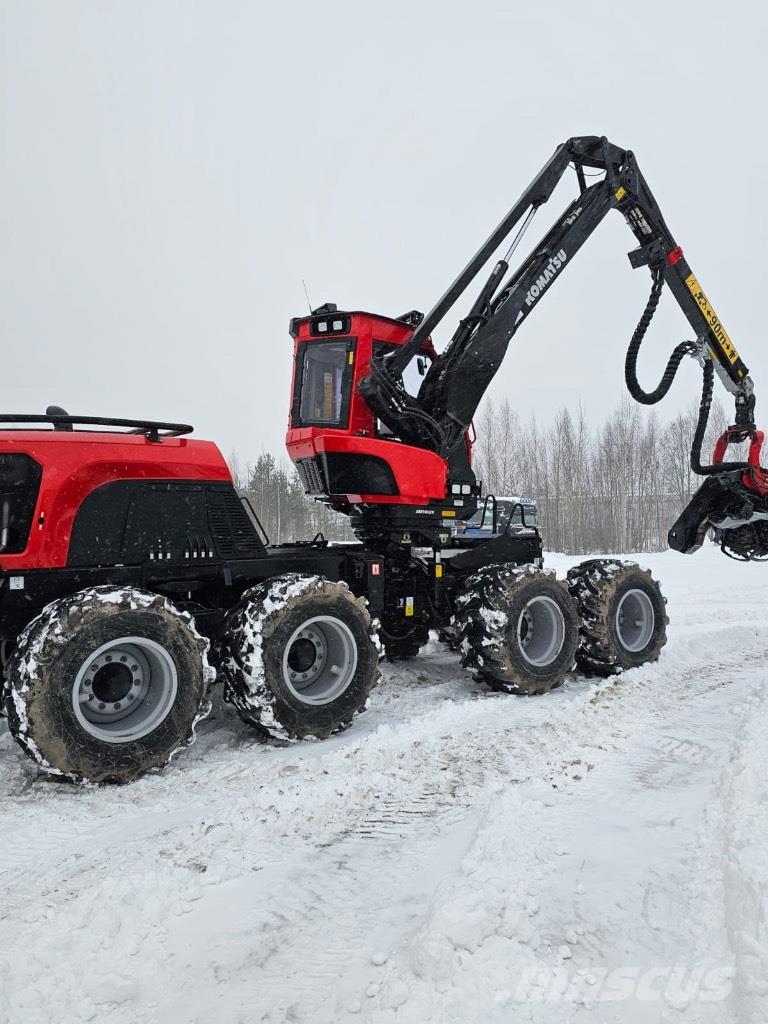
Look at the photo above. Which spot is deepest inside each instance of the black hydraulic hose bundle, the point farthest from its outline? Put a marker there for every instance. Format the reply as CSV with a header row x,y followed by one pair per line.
x,y
393,388
701,429
679,352
685,348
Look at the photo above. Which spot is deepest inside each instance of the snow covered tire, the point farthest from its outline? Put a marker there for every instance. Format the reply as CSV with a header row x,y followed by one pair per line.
x,y
106,685
285,640
623,615
518,628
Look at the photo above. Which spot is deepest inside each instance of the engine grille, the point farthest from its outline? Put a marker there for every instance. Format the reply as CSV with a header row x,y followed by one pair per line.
x,y
338,473
231,528
311,476
19,487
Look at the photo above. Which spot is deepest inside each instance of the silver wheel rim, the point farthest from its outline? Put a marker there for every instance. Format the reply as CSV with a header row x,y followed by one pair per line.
x,y
320,660
125,689
541,631
635,621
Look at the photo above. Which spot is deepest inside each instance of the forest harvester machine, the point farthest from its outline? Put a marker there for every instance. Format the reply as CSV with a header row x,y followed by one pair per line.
x,y
127,558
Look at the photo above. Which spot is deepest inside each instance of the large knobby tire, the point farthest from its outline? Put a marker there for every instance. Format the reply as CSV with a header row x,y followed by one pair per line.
x,y
623,615
301,657
518,628
405,643
107,684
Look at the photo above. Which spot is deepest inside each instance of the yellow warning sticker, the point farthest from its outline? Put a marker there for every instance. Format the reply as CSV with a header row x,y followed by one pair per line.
x,y
448,512
712,319
620,192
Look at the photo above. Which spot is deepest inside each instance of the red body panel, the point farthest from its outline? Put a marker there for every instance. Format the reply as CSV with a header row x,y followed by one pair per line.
x,y
76,463
421,475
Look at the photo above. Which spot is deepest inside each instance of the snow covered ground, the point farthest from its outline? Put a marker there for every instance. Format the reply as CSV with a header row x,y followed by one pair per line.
x,y
598,854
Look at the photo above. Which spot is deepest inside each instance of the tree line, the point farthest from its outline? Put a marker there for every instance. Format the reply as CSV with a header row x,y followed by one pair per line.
x,y
276,495
614,487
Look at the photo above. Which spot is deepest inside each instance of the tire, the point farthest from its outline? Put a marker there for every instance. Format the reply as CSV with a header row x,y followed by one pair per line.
x,y
518,628
403,646
106,685
623,616
284,640
449,635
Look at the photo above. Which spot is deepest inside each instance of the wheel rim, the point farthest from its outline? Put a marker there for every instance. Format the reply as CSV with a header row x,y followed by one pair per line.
x,y
125,689
635,621
541,631
320,660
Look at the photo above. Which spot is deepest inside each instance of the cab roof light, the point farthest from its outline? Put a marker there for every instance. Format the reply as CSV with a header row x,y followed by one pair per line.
x,y
332,325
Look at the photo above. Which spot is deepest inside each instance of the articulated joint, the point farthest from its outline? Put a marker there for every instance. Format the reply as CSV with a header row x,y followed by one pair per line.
x,y
745,412
650,255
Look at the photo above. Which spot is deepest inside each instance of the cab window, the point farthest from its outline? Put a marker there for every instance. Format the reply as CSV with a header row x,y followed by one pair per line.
x,y
323,383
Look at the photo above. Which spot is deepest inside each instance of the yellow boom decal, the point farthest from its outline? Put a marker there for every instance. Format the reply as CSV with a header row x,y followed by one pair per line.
x,y
712,318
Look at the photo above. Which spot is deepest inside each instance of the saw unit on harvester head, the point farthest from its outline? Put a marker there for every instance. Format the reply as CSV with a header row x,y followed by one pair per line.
x,y
127,558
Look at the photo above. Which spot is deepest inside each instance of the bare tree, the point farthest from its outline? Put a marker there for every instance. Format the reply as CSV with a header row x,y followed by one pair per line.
x,y
612,487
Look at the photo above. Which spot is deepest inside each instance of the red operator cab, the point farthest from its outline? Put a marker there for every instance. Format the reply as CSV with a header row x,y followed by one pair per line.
x,y
342,452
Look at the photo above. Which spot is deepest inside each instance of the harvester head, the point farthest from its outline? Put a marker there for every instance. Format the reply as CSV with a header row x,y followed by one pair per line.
x,y
736,513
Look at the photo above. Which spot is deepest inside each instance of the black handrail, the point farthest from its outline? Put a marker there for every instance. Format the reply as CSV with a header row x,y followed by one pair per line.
x,y
153,429
510,521
492,499
255,519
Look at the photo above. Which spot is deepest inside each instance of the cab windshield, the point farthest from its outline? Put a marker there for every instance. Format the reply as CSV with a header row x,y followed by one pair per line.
x,y
323,380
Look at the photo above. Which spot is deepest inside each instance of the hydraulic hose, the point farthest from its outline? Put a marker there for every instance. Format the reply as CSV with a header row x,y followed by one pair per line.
x,y
685,348
679,352
701,428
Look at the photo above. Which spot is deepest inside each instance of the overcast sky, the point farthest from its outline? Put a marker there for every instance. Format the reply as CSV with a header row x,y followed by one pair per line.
x,y
171,171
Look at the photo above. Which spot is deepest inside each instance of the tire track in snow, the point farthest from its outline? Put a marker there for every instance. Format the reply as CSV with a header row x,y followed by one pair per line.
x,y
305,971
335,895
419,768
